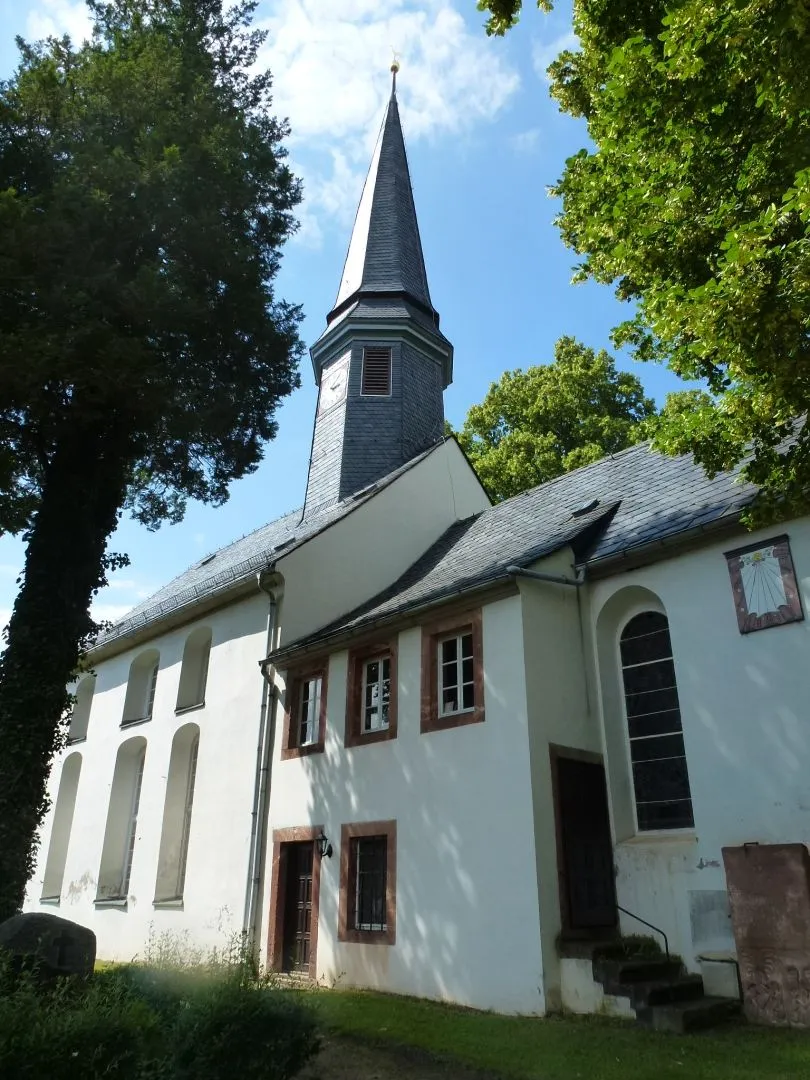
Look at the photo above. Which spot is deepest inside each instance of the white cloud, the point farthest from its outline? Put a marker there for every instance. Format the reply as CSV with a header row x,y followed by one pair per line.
x,y
56,17
109,612
330,68
526,142
543,52
138,589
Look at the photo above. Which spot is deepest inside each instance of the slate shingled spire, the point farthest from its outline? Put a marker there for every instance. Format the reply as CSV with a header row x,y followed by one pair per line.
x,y
385,253
381,363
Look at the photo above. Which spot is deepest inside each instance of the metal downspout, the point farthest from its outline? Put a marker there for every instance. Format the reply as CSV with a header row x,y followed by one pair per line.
x,y
268,583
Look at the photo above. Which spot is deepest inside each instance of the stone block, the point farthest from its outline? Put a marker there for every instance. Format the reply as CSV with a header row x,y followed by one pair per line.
x,y
54,945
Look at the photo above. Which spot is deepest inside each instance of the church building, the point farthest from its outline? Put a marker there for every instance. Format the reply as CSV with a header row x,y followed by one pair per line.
x,y
406,739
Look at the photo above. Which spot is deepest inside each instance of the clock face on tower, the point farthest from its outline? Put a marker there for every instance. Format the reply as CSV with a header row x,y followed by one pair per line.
x,y
333,384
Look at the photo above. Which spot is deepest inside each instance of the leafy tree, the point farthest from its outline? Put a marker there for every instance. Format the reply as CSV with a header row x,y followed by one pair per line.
x,y
535,424
695,204
143,202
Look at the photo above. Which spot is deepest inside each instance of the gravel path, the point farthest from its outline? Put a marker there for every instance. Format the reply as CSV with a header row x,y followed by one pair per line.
x,y
345,1059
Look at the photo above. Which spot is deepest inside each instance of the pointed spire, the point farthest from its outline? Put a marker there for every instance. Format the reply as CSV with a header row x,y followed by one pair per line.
x,y
385,252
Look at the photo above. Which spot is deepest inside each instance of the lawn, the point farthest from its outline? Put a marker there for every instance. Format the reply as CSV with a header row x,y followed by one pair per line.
x,y
564,1048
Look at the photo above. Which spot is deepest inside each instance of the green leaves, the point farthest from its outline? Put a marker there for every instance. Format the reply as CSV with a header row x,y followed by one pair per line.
x,y
535,424
694,203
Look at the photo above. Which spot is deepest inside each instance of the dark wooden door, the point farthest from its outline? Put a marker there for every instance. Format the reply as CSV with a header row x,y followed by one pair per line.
x,y
587,888
298,907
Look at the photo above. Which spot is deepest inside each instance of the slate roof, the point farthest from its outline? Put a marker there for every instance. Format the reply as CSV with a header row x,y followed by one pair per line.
x,y
385,251
241,560
643,498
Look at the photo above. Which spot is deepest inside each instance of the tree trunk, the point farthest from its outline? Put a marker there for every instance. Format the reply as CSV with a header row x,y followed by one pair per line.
x,y
83,487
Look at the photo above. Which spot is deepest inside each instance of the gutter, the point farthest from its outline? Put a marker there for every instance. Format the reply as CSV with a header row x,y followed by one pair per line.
x,y
270,583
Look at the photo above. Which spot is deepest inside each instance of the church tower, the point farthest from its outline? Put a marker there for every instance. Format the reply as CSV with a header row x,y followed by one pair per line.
x,y
381,363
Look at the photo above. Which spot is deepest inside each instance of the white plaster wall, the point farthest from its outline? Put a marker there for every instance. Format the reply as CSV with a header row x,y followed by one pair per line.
x,y
561,712
746,730
365,552
467,924
216,876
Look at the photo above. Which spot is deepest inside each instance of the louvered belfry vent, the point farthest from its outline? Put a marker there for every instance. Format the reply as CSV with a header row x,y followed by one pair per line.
x,y
376,373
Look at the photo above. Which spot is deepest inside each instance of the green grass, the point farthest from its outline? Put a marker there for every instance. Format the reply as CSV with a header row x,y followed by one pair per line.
x,y
564,1048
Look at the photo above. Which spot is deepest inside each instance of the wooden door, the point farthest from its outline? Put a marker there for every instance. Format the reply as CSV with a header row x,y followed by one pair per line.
x,y
587,884
297,936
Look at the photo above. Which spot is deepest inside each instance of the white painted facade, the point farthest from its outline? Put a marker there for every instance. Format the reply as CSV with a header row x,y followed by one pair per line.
x,y
478,897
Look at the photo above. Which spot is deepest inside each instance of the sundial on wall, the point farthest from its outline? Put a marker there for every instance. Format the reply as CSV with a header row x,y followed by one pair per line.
x,y
764,585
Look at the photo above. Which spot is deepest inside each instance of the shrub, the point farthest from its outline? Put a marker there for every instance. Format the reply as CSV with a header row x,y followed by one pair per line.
x,y
229,1030
138,1023
73,1029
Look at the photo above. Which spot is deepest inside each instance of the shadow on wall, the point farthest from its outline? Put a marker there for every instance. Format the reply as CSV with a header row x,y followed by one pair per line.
x,y
462,914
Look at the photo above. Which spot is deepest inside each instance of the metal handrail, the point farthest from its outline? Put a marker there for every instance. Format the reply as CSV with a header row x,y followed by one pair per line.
x,y
652,926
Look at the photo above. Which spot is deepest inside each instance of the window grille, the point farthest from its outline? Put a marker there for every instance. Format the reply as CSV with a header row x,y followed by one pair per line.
x,y
657,754
370,857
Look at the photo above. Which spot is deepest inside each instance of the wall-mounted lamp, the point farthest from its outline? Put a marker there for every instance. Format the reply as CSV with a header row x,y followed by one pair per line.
x,y
324,847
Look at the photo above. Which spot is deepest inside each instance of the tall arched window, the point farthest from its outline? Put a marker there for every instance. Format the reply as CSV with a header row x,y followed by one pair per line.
x,y
194,671
140,699
176,830
122,821
60,830
80,716
657,755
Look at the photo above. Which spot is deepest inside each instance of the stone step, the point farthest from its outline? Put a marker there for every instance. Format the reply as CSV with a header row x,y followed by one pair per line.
x,y
617,972
685,1016
665,991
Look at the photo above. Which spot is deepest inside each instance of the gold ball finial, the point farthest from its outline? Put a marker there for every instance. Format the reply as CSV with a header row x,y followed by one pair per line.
x,y
395,67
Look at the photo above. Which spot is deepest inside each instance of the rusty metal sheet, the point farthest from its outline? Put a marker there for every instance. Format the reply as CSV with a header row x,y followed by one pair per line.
x,y
769,894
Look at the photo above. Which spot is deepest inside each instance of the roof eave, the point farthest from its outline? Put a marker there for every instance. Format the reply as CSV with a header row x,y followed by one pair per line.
x,y
638,555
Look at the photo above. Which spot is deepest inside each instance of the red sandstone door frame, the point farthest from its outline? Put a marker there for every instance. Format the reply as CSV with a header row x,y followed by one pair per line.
x,y
278,894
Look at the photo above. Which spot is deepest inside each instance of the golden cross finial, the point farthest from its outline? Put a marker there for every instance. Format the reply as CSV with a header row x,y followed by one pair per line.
x,y
394,70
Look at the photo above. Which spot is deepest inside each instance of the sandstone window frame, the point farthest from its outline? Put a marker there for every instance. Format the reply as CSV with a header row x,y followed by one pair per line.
x,y
352,835
359,660
297,680
433,717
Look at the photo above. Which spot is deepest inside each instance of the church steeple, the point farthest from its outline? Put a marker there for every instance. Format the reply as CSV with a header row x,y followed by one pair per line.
x,y
385,252
382,362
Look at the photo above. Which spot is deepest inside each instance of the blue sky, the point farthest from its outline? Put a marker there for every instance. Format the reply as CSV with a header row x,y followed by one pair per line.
x,y
484,140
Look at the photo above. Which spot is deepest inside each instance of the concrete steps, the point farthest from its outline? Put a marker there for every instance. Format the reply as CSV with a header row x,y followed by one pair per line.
x,y
664,996
682,1017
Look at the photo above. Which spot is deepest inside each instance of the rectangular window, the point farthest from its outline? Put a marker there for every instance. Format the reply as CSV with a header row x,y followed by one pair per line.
x,y
371,693
456,674
305,714
367,902
309,713
376,694
376,379
452,672
369,863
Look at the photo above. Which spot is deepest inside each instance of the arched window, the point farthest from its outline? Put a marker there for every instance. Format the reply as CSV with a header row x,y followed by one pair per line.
x,y
80,716
174,837
194,672
122,821
60,830
657,755
140,699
